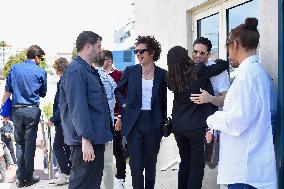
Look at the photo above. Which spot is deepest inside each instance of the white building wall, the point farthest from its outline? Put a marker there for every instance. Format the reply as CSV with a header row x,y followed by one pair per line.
x,y
171,24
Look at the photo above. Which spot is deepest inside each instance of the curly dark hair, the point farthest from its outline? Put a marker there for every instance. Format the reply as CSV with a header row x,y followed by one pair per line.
x,y
180,69
34,51
86,37
152,44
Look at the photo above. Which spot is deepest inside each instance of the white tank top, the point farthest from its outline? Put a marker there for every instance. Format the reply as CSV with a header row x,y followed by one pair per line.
x,y
147,86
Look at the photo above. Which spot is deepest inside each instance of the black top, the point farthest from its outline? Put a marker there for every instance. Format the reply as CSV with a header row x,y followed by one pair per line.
x,y
187,115
55,119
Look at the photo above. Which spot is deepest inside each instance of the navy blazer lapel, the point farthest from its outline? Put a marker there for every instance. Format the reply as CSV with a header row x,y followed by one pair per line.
x,y
138,80
156,83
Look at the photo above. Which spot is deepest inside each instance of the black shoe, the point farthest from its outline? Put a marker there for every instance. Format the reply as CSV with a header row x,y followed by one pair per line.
x,y
20,183
32,181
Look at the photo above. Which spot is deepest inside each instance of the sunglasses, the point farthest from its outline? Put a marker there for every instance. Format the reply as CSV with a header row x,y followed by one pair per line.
x,y
107,59
41,58
200,52
140,51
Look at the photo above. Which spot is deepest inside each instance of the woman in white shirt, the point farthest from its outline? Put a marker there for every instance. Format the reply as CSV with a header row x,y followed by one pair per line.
x,y
247,157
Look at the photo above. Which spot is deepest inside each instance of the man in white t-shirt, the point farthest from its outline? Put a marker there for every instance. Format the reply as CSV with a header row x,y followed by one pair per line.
x,y
220,83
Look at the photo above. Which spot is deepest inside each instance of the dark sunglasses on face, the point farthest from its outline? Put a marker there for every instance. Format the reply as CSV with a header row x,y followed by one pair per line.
x,y
140,51
41,58
200,52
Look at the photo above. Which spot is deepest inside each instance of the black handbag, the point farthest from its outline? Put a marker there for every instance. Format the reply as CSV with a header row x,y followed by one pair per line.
x,y
167,127
211,150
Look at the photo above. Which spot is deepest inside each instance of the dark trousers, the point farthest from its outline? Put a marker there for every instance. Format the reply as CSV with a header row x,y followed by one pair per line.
x,y
240,186
85,175
143,146
10,146
119,153
62,151
191,151
25,130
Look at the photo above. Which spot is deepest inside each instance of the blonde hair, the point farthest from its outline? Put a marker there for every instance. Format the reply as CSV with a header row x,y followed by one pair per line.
x,y
60,64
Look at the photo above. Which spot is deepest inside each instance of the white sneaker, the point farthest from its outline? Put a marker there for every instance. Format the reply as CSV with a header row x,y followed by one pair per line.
x,y
45,171
57,174
61,180
119,183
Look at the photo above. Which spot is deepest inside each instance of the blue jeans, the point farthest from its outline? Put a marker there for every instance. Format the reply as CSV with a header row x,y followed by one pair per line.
x,y
26,124
240,186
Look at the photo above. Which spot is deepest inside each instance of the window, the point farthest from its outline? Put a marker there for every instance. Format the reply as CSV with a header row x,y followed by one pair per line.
x,y
127,56
209,27
237,15
216,20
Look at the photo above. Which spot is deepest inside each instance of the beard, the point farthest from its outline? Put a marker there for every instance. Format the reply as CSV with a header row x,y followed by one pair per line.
x,y
99,60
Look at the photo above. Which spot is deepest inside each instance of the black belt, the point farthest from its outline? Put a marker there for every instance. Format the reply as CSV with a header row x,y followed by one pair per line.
x,y
25,106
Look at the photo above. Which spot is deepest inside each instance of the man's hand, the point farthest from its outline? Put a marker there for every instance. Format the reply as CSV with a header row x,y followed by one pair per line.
x,y
118,124
88,150
203,97
209,137
49,123
8,135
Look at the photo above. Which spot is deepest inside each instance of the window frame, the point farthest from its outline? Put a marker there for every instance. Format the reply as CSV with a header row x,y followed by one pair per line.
x,y
221,8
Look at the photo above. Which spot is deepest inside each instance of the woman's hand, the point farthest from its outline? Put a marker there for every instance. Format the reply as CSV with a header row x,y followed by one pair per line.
x,y
118,124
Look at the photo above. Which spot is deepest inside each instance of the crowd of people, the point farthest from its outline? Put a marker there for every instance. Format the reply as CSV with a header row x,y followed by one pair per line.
x,y
99,111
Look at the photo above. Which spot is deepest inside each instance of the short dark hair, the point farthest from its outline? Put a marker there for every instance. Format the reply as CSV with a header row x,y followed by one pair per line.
x,y
108,54
247,34
152,45
86,37
34,51
204,41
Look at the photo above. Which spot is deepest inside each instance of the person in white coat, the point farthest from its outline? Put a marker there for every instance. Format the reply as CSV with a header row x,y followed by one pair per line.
x,y
247,157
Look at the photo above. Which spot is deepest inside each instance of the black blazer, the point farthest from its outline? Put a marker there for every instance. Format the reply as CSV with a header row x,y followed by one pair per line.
x,y
187,115
132,81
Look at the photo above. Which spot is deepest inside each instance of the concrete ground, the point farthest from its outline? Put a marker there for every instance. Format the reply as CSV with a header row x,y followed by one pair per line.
x,y
165,179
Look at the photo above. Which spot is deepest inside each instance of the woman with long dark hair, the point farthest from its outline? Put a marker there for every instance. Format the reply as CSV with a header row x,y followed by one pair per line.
x,y
189,119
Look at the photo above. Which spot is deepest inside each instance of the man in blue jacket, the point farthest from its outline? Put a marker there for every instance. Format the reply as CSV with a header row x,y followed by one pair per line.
x,y
26,82
85,114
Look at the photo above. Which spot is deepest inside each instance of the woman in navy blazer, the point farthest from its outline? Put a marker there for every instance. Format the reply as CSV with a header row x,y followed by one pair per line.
x,y
145,108
189,119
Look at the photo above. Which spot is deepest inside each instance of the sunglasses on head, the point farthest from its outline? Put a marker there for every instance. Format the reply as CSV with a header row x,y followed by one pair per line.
x,y
140,51
200,52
